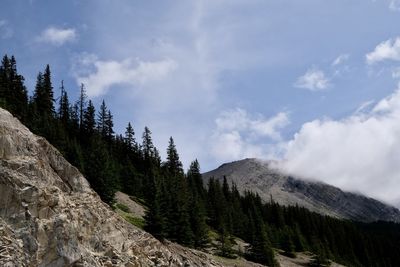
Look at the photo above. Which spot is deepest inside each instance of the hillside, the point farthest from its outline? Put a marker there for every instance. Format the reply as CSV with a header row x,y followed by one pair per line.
x,y
49,216
258,176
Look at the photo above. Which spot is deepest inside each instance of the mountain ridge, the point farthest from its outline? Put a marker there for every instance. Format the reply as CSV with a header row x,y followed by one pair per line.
x,y
260,177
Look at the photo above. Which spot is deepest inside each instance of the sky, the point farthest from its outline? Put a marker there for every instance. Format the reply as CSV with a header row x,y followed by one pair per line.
x,y
312,84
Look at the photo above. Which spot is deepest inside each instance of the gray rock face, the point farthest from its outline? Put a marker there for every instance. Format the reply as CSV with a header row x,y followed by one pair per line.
x,y
49,215
258,176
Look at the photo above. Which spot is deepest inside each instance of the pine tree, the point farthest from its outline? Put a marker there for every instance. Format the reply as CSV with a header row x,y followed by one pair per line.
x,y
42,113
260,246
100,170
130,138
74,114
287,243
43,94
82,104
198,224
195,180
174,165
13,94
89,121
101,120
225,244
109,124
298,240
155,222
179,218
319,259
147,144
64,106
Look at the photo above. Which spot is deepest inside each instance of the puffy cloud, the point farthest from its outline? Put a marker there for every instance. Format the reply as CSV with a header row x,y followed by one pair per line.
x,y
358,153
314,80
99,76
5,30
238,134
57,36
387,50
340,59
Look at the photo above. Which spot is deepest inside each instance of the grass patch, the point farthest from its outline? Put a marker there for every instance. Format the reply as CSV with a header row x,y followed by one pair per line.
x,y
138,222
122,207
123,210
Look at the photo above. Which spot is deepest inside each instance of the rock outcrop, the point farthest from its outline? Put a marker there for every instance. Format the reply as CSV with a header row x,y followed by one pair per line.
x,y
258,176
49,215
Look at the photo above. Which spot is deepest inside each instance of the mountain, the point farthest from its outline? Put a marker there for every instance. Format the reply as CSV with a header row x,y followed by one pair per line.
x,y
260,177
49,215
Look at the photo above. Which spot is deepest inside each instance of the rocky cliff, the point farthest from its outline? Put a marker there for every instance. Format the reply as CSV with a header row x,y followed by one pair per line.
x,y
49,215
258,176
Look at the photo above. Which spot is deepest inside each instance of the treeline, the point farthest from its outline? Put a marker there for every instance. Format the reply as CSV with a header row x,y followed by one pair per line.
x,y
180,207
293,229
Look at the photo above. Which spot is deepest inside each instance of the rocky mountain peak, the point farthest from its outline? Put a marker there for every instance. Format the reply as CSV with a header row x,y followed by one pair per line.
x,y
261,177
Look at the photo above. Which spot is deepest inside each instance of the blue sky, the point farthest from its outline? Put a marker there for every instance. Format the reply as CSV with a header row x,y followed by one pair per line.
x,y
300,81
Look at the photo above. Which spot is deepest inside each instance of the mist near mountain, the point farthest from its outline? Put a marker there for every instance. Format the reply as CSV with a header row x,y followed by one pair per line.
x,y
262,178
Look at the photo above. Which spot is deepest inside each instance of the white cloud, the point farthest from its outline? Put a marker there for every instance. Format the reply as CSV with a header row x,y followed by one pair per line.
x,y
57,36
358,153
5,30
238,134
314,80
100,75
340,59
394,5
387,50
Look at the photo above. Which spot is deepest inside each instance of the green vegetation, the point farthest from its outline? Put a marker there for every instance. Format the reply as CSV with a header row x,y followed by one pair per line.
x,y
123,210
179,207
122,207
138,222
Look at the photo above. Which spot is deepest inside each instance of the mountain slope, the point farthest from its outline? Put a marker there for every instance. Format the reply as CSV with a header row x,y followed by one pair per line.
x,y
258,176
49,216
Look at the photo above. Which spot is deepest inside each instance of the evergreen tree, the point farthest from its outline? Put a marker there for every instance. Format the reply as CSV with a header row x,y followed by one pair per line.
x,y
42,113
147,144
260,247
64,106
225,244
199,226
155,223
195,180
174,165
298,240
287,243
101,120
109,124
130,138
13,94
81,104
179,218
100,170
74,114
43,95
89,121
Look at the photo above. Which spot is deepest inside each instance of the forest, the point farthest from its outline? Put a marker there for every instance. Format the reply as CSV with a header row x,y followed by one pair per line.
x,y
180,207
